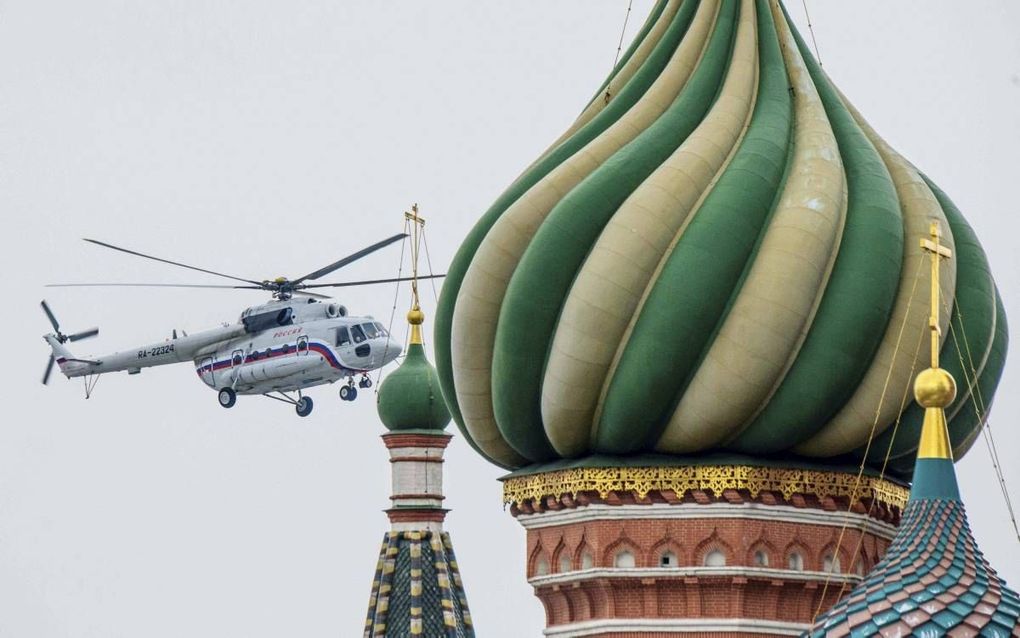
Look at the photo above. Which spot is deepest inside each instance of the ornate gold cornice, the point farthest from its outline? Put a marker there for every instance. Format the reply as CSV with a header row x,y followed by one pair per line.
x,y
708,478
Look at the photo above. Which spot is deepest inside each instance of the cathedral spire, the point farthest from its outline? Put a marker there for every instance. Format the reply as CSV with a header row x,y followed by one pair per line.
x,y
935,390
417,590
934,579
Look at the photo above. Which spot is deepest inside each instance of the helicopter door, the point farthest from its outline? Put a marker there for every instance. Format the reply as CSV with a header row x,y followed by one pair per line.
x,y
344,347
236,360
302,346
208,372
362,349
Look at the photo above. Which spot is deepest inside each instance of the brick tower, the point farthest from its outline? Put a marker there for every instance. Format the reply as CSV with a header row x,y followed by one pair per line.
x,y
689,330
727,548
417,589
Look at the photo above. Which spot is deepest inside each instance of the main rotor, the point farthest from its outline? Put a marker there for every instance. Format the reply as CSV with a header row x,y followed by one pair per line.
x,y
281,288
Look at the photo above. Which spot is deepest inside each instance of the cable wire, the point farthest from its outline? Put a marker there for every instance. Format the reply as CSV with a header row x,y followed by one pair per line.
x,y
428,261
393,311
981,412
619,48
811,29
871,437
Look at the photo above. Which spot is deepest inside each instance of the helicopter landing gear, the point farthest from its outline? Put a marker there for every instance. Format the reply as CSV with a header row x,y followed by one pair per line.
x,y
365,382
348,392
303,407
302,404
227,397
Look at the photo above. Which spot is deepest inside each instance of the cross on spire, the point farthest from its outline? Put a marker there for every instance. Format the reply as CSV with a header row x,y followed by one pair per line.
x,y
415,317
938,252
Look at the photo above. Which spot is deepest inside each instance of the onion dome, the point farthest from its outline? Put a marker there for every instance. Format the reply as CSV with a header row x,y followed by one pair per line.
x,y
719,256
933,581
409,398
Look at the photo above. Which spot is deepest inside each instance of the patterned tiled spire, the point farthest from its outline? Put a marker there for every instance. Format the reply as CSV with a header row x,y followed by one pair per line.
x,y
933,581
417,589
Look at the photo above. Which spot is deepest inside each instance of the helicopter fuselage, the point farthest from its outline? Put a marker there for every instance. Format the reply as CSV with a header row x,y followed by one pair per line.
x,y
280,346
287,344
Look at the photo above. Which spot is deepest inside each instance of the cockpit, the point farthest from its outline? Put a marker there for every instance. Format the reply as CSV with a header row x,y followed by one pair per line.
x,y
368,340
360,332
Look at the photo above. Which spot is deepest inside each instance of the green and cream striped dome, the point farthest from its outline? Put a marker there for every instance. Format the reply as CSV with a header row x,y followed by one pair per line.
x,y
719,255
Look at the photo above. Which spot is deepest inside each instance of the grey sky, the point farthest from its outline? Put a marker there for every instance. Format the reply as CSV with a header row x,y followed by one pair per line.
x,y
266,139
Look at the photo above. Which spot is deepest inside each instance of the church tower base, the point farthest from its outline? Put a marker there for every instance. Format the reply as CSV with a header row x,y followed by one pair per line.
x,y
697,551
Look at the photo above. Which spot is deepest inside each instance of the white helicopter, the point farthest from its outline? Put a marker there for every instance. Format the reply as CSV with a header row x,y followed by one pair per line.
x,y
295,341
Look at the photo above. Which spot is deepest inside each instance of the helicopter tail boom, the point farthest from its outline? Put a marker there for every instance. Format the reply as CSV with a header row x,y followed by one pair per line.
x,y
69,365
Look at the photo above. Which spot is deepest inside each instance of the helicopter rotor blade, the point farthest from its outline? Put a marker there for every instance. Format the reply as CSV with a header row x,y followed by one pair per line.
x,y
313,295
368,282
85,334
52,317
132,285
172,263
336,265
49,369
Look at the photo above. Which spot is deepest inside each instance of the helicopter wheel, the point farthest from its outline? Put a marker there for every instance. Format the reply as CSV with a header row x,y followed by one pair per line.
x,y
348,393
304,406
227,397
365,383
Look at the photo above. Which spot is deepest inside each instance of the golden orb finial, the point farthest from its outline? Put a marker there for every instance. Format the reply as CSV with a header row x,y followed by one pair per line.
x,y
415,316
934,388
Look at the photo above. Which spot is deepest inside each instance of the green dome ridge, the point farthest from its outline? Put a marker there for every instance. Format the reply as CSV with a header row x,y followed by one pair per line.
x,y
720,256
409,398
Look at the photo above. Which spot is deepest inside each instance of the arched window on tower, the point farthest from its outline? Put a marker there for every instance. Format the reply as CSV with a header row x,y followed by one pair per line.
x,y
587,560
795,561
715,558
761,558
541,566
565,565
831,564
624,558
668,558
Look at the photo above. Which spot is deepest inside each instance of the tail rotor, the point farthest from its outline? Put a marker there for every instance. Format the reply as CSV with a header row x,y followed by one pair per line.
x,y
61,338
49,369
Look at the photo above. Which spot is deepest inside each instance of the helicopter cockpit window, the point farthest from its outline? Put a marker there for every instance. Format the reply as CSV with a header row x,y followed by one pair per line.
x,y
381,329
370,330
358,334
343,337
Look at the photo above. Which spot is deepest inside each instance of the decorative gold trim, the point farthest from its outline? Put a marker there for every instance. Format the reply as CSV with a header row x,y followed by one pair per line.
x,y
935,436
713,478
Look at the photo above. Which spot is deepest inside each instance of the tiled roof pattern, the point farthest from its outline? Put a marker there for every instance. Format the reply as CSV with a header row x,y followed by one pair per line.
x,y
417,589
933,581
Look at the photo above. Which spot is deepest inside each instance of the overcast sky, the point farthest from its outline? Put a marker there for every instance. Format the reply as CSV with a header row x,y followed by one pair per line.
x,y
268,139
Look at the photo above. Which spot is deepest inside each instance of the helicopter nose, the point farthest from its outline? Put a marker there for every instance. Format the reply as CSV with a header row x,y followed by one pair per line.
x,y
393,349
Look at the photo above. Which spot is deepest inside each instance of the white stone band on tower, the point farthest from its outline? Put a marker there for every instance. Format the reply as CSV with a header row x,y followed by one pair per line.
x,y
416,462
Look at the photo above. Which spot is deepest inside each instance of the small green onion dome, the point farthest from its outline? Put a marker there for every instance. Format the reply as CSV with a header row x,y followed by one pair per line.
x,y
410,398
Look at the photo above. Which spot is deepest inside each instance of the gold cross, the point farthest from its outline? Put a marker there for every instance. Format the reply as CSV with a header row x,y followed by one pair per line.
x,y
413,216
415,316
417,226
938,253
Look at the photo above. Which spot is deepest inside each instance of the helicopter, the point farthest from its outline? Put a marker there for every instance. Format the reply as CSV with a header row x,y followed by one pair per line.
x,y
294,341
